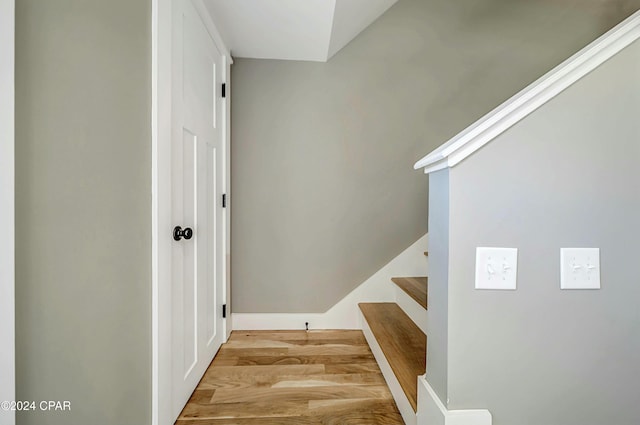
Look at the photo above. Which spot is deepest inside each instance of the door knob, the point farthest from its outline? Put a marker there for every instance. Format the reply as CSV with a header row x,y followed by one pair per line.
x,y
179,233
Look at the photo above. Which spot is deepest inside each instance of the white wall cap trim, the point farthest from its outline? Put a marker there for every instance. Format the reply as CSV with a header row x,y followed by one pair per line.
x,y
532,97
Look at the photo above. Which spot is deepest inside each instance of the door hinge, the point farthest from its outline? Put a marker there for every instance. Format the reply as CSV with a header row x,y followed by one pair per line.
x,y
224,311
224,89
224,200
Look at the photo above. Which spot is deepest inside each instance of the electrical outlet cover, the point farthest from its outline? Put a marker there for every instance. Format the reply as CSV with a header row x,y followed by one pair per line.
x,y
496,268
580,268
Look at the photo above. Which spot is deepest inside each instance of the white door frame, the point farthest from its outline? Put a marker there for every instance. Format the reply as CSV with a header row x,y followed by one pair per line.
x,y
7,208
161,197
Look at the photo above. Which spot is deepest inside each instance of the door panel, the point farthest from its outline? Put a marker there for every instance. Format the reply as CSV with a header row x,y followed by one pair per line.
x,y
198,327
211,295
186,253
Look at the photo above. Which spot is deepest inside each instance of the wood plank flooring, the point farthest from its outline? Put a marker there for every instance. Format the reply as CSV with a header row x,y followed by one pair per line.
x,y
292,377
404,345
415,287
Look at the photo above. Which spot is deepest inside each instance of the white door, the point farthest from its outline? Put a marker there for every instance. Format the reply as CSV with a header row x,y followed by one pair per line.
x,y
7,253
197,179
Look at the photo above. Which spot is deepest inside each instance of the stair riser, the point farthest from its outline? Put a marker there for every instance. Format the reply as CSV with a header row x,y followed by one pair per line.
x,y
415,311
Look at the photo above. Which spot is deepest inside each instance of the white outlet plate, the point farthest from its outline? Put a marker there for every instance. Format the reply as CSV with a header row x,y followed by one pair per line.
x,y
496,268
579,268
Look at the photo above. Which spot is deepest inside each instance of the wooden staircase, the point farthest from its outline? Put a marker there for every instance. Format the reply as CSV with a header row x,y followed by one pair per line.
x,y
396,333
415,287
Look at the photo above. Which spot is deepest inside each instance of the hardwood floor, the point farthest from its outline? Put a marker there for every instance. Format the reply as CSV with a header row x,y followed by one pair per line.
x,y
292,378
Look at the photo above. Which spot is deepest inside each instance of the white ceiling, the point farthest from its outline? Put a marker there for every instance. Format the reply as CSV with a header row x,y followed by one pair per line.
x,y
307,30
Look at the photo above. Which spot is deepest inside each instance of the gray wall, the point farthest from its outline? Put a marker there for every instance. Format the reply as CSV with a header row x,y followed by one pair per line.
x,y
566,176
437,312
323,191
83,163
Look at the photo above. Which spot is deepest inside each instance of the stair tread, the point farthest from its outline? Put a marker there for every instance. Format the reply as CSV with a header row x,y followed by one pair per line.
x,y
415,287
404,345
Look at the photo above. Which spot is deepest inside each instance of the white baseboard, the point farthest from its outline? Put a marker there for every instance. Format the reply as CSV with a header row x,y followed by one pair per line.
x,y
431,410
408,415
344,314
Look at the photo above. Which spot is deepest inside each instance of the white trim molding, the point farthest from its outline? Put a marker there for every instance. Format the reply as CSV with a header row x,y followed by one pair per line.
x,y
431,410
161,367
344,314
532,97
7,208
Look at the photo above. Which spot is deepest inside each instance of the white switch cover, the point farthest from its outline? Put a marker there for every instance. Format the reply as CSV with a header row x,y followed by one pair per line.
x,y
580,268
496,268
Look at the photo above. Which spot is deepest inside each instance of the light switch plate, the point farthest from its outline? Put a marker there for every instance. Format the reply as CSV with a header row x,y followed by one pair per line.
x,y
496,268
580,268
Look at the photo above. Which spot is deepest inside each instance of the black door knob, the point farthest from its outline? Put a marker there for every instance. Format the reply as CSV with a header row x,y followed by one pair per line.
x,y
179,233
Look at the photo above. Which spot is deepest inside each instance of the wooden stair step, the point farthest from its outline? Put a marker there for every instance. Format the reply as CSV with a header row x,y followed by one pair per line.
x,y
415,287
404,345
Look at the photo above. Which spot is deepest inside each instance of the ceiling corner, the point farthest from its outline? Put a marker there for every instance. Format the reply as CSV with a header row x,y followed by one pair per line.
x,y
309,30
351,17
